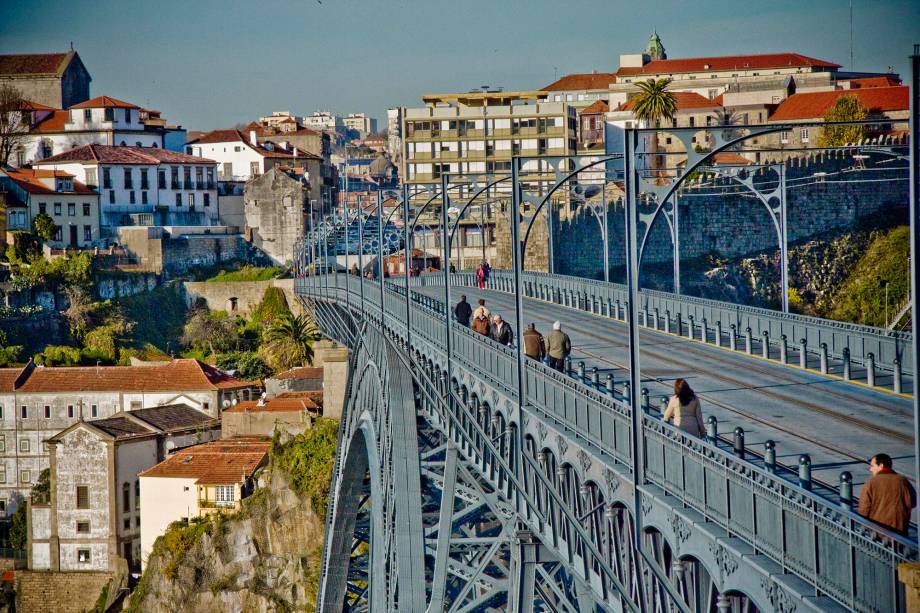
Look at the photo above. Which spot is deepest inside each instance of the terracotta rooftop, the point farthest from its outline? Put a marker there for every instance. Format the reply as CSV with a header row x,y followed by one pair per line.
x,y
104,102
685,100
597,107
578,81
727,62
883,81
29,179
33,64
289,404
29,105
216,463
301,372
177,375
54,122
815,105
108,154
234,136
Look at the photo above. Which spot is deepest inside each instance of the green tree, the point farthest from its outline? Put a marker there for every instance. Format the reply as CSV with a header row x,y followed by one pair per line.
x,y
214,332
41,494
248,364
9,354
272,306
652,104
288,341
44,227
79,312
846,108
58,355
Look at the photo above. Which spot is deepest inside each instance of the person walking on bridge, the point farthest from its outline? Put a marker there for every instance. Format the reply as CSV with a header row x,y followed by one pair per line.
x,y
481,276
482,319
534,346
501,332
463,311
887,497
558,347
684,409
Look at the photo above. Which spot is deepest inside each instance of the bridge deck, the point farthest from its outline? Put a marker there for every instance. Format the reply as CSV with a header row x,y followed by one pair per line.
x,y
838,423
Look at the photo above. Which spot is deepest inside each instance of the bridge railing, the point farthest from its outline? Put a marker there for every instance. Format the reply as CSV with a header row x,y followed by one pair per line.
x,y
831,548
867,346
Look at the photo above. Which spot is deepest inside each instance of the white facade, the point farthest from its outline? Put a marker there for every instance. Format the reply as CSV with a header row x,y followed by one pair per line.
x,y
166,499
361,123
236,161
324,120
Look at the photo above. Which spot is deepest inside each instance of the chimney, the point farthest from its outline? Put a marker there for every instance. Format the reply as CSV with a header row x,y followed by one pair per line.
x,y
252,138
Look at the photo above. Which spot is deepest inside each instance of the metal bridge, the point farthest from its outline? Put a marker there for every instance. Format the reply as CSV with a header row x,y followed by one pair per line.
x,y
471,478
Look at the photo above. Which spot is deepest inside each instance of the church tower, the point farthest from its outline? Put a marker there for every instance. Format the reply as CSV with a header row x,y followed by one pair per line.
x,y
655,49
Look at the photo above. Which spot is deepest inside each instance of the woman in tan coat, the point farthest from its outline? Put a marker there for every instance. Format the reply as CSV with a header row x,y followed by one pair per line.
x,y
684,409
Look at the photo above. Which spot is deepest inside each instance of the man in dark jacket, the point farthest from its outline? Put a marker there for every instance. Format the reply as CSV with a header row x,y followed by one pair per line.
x,y
501,332
887,497
463,311
533,343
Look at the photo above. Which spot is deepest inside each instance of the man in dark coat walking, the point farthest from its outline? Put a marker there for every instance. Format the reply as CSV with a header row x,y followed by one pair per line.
x,y
533,343
887,497
501,332
463,311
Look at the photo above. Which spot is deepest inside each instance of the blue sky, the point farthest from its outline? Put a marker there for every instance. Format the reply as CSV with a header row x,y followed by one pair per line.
x,y
209,64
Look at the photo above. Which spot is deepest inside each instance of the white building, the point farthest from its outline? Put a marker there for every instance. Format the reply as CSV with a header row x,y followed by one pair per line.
x,y
72,205
144,186
283,121
93,515
360,123
241,157
394,133
100,121
324,120
37,402
198,481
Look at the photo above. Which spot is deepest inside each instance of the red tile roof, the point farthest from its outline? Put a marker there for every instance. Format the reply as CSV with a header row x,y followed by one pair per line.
x,y
883,81
597,107
33,64
8,378
579,81
29,179
233,136
53,122
220,136
301,372
177,375
816,104
684,100
288,404
109,154
104,102
29,105
216,463
728,62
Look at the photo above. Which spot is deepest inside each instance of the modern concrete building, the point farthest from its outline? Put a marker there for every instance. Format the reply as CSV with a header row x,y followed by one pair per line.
x,y
197,481
144,186
56,80
73,206
324,120
38,402
283,121
360,123
93,515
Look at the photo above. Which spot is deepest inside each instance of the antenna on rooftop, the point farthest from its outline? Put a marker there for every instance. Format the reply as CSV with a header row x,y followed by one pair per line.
x,y
852,63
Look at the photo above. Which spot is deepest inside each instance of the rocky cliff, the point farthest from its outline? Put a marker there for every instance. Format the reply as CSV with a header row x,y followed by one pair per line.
x,y
263,559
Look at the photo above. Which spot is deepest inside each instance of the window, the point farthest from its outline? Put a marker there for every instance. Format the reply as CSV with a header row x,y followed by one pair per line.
x,y
143,197
2,443
112,196
187,177
24,412
109,114
804,135
42,207
25,476
207,199
86,209
107,178
174,172
210,178
178,199
83,527
87,114
70,410
199,177
254,168
137,495
24,445
91,177
71,209
136,404
228,169
83,554
237,149
126,498
57,233
128,115
127,523
131,197
692,122
145,184
1,411
95,411
47,411
57,208
161,179
191,201
129,179
82,496
87,233
225,495
2,474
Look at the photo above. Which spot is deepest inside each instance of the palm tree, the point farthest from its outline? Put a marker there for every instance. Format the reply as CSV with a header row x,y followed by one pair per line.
x,y
652,104
289,341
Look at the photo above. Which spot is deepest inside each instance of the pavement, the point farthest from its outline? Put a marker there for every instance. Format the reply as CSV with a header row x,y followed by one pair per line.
x,y
839,424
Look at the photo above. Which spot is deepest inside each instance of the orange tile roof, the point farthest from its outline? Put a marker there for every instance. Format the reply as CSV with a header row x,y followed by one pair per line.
x,y
33,63
728,62
54,122
816,104
29,179
882,81
579,81
104,102
216,463
301,372
233,136
29,105
110,154
177,375
8,378
684,100
598,107
281,404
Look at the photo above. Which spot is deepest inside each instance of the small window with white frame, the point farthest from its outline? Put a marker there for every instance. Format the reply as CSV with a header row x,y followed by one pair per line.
x,y
83,556
25,476
804,135
24,446
784,137
225,495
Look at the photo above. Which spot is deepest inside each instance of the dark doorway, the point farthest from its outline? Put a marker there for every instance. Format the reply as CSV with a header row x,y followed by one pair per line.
x,y
73,236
